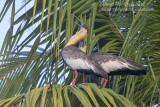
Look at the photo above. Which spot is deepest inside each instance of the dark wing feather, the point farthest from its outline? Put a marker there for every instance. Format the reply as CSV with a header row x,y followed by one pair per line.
x,y
116,65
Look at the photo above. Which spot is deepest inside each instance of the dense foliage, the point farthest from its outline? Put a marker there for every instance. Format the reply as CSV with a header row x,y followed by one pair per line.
x,y
129,28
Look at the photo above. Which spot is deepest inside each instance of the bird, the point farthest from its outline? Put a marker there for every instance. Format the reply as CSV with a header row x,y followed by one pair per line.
x,y
80,61
112,64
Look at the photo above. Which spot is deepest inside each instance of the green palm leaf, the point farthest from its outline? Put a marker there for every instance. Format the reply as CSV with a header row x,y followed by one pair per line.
x,y
81,95
33,60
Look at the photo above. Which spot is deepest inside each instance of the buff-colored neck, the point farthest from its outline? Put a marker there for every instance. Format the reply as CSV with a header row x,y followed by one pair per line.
x,y
83,46
80,35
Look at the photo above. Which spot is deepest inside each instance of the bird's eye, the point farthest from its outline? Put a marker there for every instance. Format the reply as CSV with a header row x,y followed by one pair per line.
x,y
84,26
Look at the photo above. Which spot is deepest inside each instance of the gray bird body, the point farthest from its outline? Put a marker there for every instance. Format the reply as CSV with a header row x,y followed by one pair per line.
x,y
80,61
115,65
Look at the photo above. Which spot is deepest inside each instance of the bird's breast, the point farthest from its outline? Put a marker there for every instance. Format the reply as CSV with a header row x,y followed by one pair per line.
x,y
75,58
77,63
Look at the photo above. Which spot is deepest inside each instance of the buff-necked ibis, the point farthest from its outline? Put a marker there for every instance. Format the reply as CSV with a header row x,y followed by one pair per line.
x,y
80,61
114,65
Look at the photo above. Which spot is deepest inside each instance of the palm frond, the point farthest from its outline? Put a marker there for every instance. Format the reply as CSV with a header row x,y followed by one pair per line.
x,y
115,27
59,95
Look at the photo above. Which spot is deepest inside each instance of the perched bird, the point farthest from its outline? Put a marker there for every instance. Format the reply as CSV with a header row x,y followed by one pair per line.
x,y
80,61
114,65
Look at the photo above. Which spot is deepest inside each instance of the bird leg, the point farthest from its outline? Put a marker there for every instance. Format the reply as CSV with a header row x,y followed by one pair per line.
x,y
104,85
84,77
76,74
104,82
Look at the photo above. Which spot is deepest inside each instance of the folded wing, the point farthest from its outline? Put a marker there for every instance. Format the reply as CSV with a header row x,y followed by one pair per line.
x,y
116,65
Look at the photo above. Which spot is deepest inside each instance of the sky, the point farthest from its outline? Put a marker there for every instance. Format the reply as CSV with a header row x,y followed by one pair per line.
x,y
5,23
